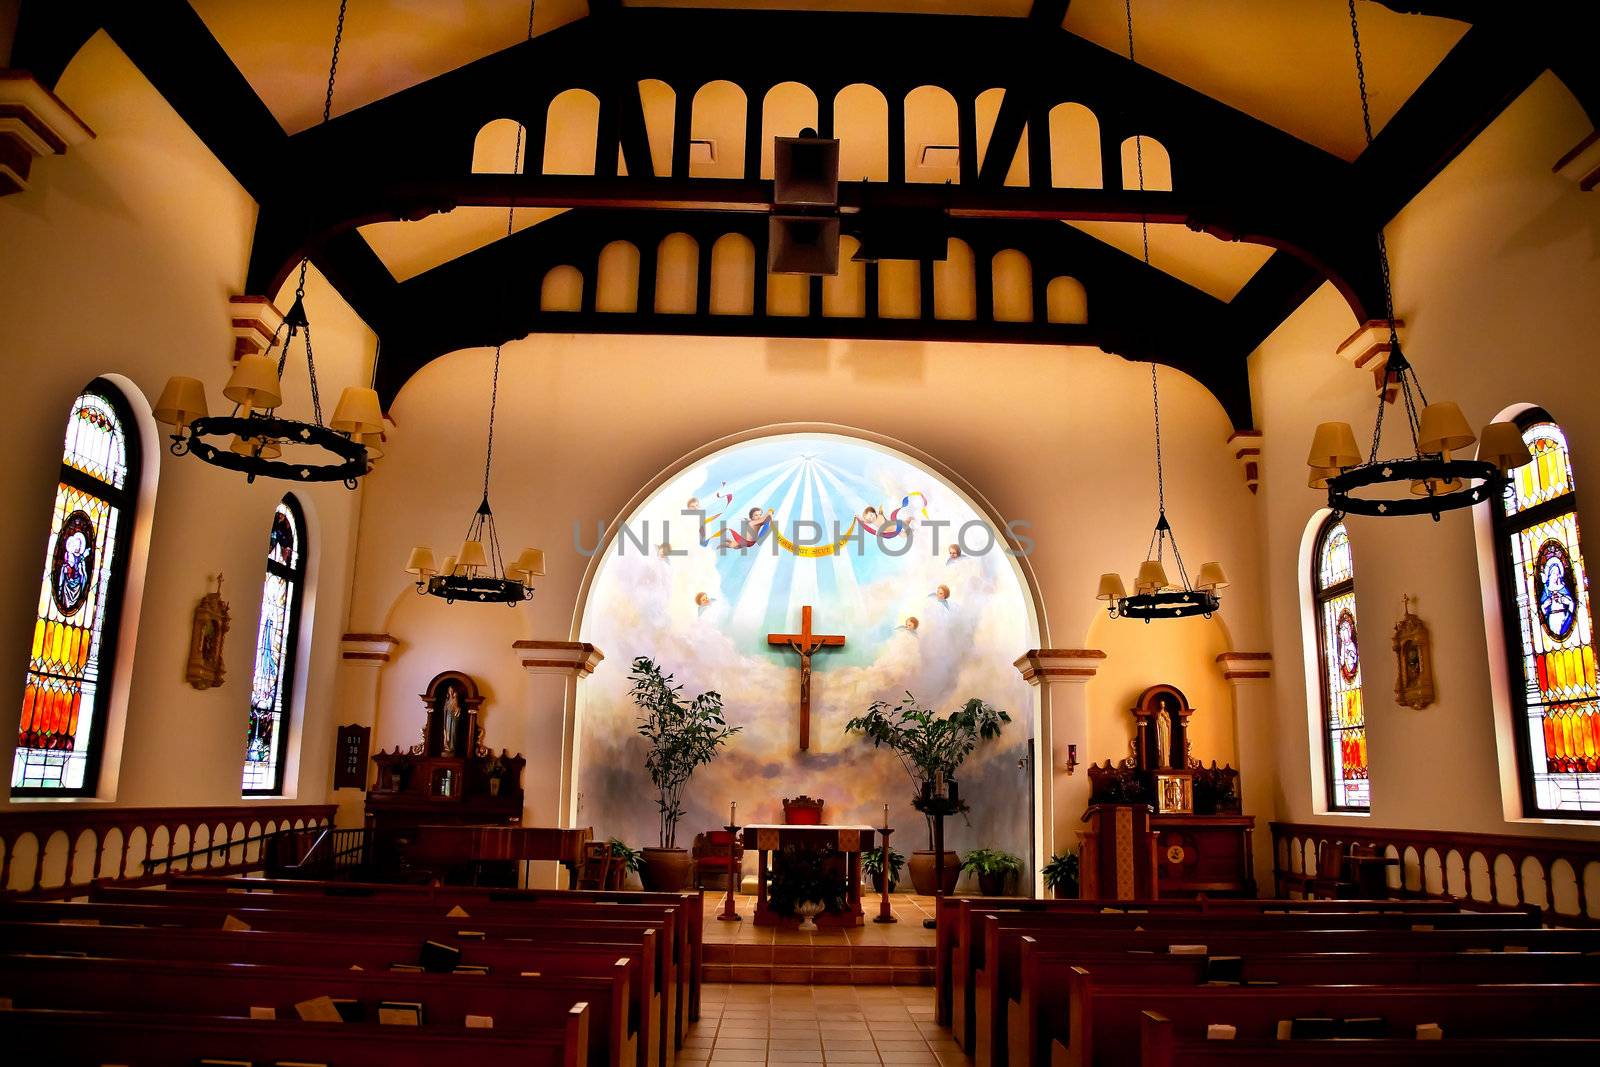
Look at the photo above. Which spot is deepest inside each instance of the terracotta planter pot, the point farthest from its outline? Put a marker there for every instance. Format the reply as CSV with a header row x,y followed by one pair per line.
x,y
992,885
921,866
665,870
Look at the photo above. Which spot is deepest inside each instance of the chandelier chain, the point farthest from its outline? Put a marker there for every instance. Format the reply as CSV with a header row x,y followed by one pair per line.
x,y
1138,146
1144,232
333,63
511,215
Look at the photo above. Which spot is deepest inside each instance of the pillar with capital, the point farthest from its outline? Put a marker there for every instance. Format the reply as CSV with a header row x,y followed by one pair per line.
x,y
1062,676
1249,676
361,660
554,670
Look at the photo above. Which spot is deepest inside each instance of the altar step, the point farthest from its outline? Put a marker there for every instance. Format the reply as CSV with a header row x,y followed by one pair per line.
x,y
819,964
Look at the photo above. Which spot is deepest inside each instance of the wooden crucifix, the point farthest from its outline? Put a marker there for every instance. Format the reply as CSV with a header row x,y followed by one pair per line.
x,y
805,644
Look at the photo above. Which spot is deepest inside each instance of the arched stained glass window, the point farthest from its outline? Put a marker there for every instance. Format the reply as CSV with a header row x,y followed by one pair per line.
x,y
1344,719
272,687
1544,589
71,663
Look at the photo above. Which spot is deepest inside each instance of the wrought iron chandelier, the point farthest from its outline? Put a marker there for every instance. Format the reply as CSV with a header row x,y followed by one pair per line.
x,y
252,439
478,572
1155,595
1436,481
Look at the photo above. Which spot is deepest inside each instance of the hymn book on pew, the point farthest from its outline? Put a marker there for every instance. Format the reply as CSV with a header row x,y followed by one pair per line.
x,y
400,1013
439,957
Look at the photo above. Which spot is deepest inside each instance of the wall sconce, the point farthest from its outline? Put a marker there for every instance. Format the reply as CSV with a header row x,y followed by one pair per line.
x,y
1072,759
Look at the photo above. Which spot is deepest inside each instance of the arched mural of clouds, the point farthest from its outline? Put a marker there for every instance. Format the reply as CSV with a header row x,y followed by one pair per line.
x,y
689,591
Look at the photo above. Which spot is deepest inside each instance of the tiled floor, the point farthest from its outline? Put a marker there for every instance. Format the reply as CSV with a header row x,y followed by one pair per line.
x,y
798,1024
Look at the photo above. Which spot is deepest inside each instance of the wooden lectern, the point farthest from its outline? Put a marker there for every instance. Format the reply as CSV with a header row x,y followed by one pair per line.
x,y
1116,853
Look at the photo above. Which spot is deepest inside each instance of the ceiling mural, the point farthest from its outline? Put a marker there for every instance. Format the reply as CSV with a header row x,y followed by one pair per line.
x,y
887,555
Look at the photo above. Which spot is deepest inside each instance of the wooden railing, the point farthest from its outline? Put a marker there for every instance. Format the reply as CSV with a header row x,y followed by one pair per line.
x,y
1559,875
57,851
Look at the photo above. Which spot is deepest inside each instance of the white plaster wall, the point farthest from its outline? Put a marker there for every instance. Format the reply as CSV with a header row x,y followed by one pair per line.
x,y
121,258
1058,437
1497,275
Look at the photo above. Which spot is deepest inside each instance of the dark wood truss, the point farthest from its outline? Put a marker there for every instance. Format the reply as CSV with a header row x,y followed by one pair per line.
x,y
409,155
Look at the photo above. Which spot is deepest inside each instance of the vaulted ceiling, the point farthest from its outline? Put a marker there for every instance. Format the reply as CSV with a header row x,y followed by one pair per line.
x,y
1271,188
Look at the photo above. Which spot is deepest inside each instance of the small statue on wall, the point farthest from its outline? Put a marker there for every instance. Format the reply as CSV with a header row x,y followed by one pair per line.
x,y
1413,649
205,669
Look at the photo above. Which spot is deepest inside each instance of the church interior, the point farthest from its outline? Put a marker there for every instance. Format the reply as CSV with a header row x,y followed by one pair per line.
x,y
800,531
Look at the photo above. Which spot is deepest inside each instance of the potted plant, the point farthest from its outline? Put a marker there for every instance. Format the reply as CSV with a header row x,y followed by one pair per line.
x,y
931,749
1061,875
625,861
806,882
994,869
683,736
872,865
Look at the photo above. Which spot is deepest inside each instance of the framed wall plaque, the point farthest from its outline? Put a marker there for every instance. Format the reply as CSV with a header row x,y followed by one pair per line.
x,y
350,757
1413,650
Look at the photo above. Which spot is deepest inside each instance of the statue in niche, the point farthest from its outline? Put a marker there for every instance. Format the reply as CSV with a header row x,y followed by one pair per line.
x,y
1163,736
451,713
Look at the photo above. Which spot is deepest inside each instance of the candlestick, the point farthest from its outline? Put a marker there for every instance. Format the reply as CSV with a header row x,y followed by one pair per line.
x,y
733,813
886,815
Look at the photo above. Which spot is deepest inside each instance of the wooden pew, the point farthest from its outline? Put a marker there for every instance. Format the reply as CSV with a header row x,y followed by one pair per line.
x,y
374,954
91,1039
690,903
524,1006
546,928
1104,1020
691,910
1037,1014
1160,1045
683,913
997,933
956,921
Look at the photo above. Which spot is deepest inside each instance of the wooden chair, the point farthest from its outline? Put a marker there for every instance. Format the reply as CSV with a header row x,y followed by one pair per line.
x,y
711,863
802,811
1330,880
596,867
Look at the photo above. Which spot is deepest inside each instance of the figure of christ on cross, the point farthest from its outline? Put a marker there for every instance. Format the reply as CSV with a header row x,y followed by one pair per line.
x,y
805,643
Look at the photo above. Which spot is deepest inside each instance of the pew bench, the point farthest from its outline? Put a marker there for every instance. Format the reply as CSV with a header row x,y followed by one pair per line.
x,y
1104,1020
91,1039
1162,1045
1037,1013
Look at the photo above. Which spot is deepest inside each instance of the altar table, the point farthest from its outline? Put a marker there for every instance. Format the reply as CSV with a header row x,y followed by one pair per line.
x,y
852,841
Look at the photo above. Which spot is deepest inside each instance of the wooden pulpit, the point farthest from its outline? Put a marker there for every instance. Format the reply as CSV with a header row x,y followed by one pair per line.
x,y
1116,853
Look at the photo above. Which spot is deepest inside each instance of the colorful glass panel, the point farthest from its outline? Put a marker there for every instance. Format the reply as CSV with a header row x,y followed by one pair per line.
x,y
275,636
57,734
1549,582
1339,652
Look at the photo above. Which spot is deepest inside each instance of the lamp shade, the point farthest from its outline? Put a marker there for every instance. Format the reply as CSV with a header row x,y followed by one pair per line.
x,y
1442,427
1212,577
421,562
254,383
1436,486
1111,587
1334,445
530,562
449,565
374,446
471,555
1320,475
260,447
358,411
1152,577
1502,444
182,401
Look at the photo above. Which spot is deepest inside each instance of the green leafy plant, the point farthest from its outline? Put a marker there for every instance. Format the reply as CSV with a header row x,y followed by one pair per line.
x,y
683,737
931,748
629,856
802,874
1061,874
991,861
872,863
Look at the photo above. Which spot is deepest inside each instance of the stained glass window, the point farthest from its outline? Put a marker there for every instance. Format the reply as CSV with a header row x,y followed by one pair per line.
x,y
272,686
70,663
1545,589
1339,656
